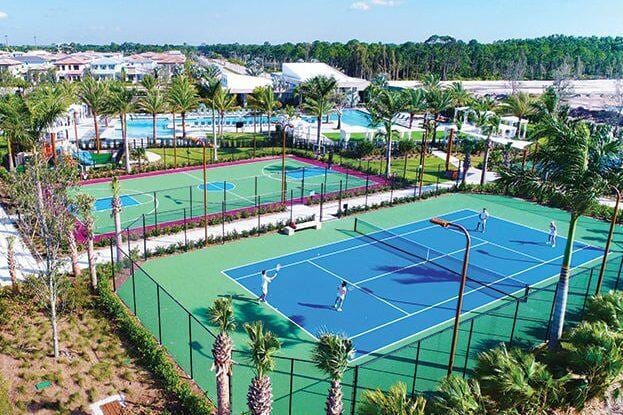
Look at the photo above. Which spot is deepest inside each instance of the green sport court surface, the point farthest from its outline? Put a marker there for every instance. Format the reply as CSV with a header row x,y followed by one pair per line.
x,y
190,282
167,197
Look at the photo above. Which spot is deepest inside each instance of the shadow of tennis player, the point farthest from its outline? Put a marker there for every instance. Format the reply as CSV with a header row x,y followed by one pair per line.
x,y
316,306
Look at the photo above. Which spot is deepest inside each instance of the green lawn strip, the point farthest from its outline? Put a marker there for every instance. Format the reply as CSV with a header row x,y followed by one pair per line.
x,y
195,279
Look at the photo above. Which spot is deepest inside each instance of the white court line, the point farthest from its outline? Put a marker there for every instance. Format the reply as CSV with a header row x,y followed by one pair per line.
x,y
327,254
272,307
437,305
418,264
358,287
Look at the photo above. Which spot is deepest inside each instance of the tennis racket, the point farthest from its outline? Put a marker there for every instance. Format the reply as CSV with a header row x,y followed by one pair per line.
x,y
277,269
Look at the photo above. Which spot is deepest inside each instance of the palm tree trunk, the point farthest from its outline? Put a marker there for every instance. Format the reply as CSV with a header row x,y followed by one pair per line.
x,y
339,121
388,168
12,264
260,396
518,128
174,135
9,145
434,140
153,126
116,212
335,405
319,121
562,288
222,123
126,144
222,351
269,138
97,131
214,152
411,116
53,317
485,161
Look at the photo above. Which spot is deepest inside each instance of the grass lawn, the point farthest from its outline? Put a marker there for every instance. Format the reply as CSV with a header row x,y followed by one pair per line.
x,y
416,135
94,362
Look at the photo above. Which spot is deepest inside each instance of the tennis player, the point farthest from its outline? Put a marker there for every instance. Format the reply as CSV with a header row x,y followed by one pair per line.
x,y
553,233
482,220
341,296
266,280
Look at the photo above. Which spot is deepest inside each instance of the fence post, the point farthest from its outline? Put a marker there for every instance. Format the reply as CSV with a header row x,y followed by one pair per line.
x,y
291,386
303,185
354,394
616,284
551,312
133,285
223,222
391,190
588,289
127,235
190,344
321,199
291,205
225,195
255,187
415,367
144,240
438,174
155,212
185,230
510,342
469,344
258,214
159,321
190,191
339,201
346,184
367,184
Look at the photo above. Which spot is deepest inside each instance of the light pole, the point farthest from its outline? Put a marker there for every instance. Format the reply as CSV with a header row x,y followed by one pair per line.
x,y
613,222
459,305
205,189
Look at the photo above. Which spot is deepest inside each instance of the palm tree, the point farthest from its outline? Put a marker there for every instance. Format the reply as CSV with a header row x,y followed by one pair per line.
x,y
264,346
438,100
457,396
393,402
415,102
13,124
263,99
222,315
521,105
318,93
431,81
571,166
461,97
149,82
331,354
94,95
84,207
468,146
116,215
153,103
211,89
223,103
121,102
384,106
489,124
182,97
11,263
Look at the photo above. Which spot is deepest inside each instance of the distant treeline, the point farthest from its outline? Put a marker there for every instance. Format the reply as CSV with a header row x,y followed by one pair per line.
x,y
541,58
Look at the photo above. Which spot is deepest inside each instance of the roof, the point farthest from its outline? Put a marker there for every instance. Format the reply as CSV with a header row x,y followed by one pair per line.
x,y
106,61
243,84
9,62
31,59
298,72
72,60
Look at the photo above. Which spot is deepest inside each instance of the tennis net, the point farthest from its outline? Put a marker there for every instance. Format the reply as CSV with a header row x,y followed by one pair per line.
x,y
487,279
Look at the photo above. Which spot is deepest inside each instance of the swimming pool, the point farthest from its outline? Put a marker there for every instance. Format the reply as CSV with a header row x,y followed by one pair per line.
x,y
141,127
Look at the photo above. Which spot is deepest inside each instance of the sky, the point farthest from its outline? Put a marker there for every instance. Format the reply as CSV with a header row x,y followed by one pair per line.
x,y
277,21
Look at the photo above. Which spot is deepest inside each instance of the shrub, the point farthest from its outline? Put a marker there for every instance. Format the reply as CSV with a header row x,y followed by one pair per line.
x,y
606,308
457,396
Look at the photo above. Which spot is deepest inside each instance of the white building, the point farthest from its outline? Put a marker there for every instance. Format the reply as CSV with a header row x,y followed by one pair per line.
x,y
106,68
71,68
295,73
8,64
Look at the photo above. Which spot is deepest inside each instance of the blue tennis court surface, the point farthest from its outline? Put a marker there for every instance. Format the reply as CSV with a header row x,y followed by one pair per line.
x,y
106,203
405,279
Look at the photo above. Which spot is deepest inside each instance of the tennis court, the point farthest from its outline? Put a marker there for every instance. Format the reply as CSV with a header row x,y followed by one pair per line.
x,y
165,198
405,279
400,308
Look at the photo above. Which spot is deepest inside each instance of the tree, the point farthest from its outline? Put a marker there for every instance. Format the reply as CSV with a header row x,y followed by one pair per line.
x,y
182,97
149,82
264,346
438,101
393,402
457,396
222,315
415,103
121,102
461,97
94,95
41,195
331,354
468,146
318,93
263,100
12,124
116,215
572,167
384,106
520,105
223,103
489,124
211,88
84,208
153,103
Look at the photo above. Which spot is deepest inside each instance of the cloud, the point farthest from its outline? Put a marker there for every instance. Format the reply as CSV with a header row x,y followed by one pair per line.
x,y
360,5
365,5
3,15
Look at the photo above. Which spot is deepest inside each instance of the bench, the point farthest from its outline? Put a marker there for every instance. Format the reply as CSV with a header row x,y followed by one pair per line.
x,y
316,224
